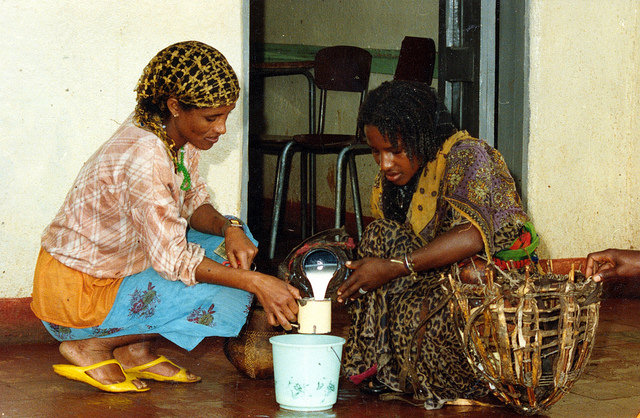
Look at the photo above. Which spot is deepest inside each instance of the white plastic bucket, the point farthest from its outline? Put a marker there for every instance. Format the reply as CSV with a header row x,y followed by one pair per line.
x,y
306,370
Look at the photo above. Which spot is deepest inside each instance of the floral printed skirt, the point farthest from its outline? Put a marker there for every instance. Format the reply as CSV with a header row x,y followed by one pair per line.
x,y
146,303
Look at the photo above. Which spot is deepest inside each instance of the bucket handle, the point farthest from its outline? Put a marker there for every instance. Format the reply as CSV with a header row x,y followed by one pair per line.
x,y
342,372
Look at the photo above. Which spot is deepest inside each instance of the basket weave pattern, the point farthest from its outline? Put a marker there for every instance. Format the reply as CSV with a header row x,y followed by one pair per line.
x,y
250,352
529,335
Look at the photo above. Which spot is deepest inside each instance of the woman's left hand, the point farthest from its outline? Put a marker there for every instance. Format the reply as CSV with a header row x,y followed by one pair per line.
x,y
368,274
240,249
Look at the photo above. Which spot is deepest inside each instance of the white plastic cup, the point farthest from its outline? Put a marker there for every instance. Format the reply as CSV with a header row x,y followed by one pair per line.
x,y
314,316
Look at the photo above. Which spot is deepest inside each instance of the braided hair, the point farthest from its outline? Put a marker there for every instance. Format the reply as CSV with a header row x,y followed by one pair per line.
x,y
407,111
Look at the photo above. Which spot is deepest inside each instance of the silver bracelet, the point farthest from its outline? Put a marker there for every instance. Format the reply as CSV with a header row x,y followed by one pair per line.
x,y
409,265
404,263
396,261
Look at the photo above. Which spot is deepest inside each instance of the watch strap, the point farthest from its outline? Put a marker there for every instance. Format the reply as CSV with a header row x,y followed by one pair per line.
x,y
235,222
231,222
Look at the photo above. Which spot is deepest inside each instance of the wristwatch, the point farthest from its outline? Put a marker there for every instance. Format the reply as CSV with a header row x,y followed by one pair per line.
x,y
231,222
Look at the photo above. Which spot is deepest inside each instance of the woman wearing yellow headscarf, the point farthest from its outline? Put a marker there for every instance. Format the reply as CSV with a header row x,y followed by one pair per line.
x,y
137,250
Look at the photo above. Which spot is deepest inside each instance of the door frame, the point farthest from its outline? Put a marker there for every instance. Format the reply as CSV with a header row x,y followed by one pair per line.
x,y
483,74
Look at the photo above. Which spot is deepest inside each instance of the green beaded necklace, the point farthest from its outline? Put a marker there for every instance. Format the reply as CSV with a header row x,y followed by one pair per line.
x,y
186,183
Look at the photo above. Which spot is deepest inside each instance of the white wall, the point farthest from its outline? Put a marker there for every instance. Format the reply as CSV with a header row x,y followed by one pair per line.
x,y
584,147
68,73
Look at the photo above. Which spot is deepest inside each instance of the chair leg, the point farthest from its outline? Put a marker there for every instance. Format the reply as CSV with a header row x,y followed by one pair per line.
x,y
355,193
279,194
304,194
312,192
340,186
347,155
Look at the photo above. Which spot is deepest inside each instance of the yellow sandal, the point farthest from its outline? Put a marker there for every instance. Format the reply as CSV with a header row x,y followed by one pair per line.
x,y
140,372
78,373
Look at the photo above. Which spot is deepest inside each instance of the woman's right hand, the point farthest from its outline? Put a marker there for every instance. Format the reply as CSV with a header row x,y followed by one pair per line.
x,y
279,300
367,274
613,263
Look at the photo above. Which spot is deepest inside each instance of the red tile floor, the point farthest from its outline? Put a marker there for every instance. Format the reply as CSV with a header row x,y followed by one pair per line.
x,y
610,386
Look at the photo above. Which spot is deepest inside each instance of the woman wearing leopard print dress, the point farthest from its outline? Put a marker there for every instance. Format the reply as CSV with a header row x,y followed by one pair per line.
x,y
441,197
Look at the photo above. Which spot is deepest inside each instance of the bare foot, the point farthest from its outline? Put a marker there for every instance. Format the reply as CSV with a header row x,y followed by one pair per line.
x,y
87,352
137,354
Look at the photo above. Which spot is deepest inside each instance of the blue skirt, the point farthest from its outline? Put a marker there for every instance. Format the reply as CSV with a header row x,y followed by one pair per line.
x,y
146,303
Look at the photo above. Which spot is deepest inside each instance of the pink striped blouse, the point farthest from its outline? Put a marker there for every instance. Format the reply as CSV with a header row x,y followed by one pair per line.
x,y
126,211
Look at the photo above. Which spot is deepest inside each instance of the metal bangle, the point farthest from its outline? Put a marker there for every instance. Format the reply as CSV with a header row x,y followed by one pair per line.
x,y
403,262
396,261
235,222
408,264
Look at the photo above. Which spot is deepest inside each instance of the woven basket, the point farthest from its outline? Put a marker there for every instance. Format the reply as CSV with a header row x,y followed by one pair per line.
x,y
250,352
529,334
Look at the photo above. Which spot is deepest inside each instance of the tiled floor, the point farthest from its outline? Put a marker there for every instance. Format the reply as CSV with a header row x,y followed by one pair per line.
x,y
610,386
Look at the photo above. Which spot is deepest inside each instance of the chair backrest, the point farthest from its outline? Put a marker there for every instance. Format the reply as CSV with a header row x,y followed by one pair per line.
x,y
417,60
342,68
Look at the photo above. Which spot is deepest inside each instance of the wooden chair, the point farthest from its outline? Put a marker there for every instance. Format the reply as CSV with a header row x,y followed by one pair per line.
x,y
336,68
416,62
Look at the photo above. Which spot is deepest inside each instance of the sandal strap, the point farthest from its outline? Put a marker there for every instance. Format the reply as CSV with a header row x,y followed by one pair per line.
x,y
100,364
150,364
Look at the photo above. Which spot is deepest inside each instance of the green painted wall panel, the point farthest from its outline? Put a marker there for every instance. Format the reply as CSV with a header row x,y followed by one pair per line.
x,y
384,60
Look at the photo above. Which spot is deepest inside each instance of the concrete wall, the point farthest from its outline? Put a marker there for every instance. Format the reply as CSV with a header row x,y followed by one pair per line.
x,y
68,73
584,91
69,69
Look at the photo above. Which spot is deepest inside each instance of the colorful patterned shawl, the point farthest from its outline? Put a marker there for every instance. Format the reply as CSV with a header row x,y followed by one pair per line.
x,y
471,177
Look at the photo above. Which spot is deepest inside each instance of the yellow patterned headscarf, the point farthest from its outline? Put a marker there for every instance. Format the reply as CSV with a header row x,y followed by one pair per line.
x,y
423,204
194,73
